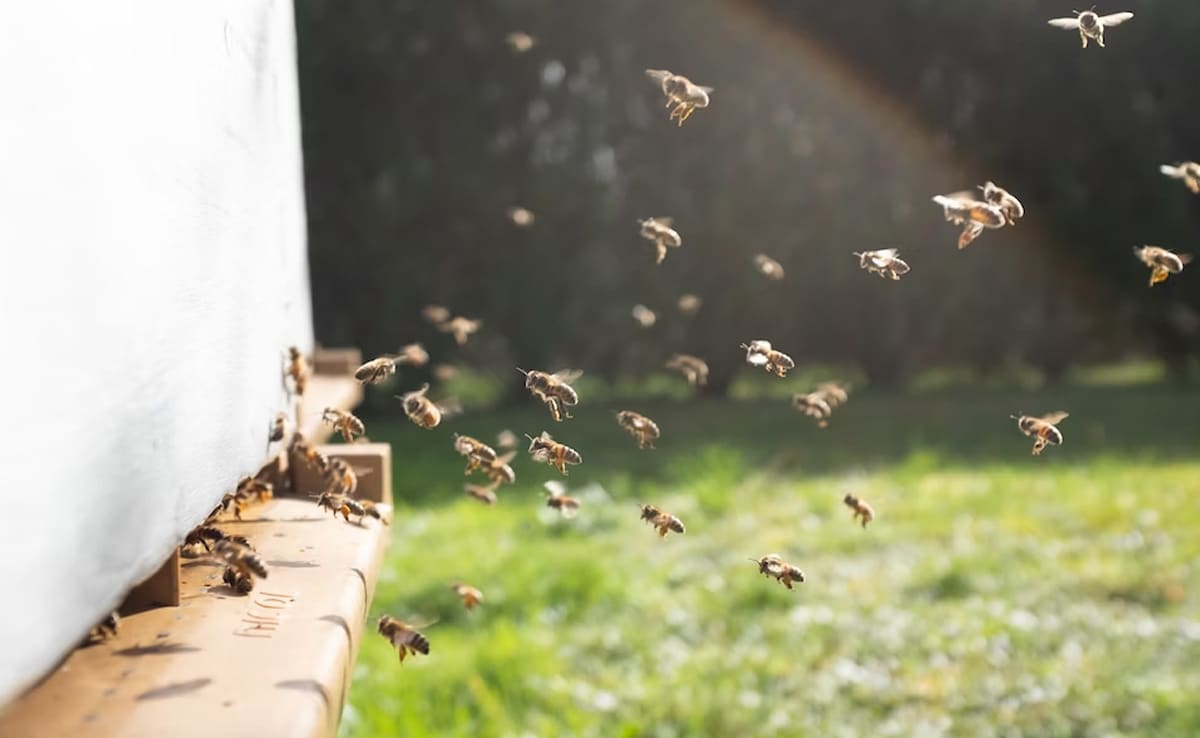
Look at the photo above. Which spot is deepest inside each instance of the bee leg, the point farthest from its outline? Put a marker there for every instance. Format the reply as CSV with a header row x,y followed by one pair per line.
x,y
1100,37
662,251
1083,38
786,582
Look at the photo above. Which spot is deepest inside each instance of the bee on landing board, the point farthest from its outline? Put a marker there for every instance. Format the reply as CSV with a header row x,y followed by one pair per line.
x,y
477,452
297,370
681,92
659,231
1162,262
760,353
859,509
694,369
662,521
773,565
962,208
404,637
554,389
105,629
344,423
643,429
1043,430
486,495
1090,25
469,595
242,564
768,267
545,450
423,411
884,262
461,328
1188,171
558,499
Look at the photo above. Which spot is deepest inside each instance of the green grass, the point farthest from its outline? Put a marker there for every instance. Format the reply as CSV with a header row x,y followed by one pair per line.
x,y
996,594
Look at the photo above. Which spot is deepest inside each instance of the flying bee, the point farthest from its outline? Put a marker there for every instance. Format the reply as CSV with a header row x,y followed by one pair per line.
x,y
643,429
1188,171
768,267
469,595
519,42
372,509
477,452
311,455
972,214
278,427
773,565
662,521
345,423
376,370
834,393
403,637
815,405
444,372
1011,207
1043,430
760,353
237,580
644,316
242,564
506,439
106,628
461,328
342,477
546,450
435,314
681,92
339,504
1162,262
557,498
859,509
554,389
486,495
423,411
1090,25
694,369
297,370
659,231
521,217
499,469
884,262
689,304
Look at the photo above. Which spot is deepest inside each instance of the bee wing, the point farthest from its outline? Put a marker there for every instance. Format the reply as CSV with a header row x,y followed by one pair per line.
x,y
1114,19
1054,418
1170,171
658,75
1066,23
963,196
505,459
568,375
706,89
1185,258
756,359
555,488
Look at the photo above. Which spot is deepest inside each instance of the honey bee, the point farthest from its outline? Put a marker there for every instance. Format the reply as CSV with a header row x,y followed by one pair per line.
x,y
105,629
229,501
814,405
462,328
486,495
423,411
689,304
203,534
557,498
506,439
435,314
499,469
773,565
1011,207
372,509
554,389
1090,25
546,450
519,42
469,595
682,92
345,423
251,489
380,368
297,370
760,353
768,267
884,262
973,215
278,428
339,504
834,393
1162,262
644,316
643,429
520,217
477,452
659,231
693,369
1188,171
342,477
1043,430
663,521
242,564
311,455
403,637
859,509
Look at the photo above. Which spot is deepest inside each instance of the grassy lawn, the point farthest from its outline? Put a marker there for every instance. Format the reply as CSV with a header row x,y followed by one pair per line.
x,y
996,593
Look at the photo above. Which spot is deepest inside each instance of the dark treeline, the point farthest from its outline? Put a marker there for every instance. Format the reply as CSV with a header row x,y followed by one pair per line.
x,y
831,126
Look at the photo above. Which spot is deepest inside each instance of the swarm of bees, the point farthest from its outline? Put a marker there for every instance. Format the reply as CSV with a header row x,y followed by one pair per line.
x,y
1043,430
761,353
1090,25
1162,262
662,521
681,92
661,234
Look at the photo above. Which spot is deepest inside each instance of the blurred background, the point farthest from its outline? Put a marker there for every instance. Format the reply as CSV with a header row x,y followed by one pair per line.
x,y
997,594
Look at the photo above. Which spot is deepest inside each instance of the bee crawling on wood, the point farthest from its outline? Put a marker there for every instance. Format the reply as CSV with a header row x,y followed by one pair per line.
x,y
404,637
554,389
1043,430
859,509
662,521
279,428
643,429
469,595
485,494
1188,171
768,267
202,535
477,452
694,369
242,565
760,353
1162,262
972,214
298,370
659,231
343,422
423,411
682,92
558,499
773,565
1090,24
105,629
884,262
544,449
